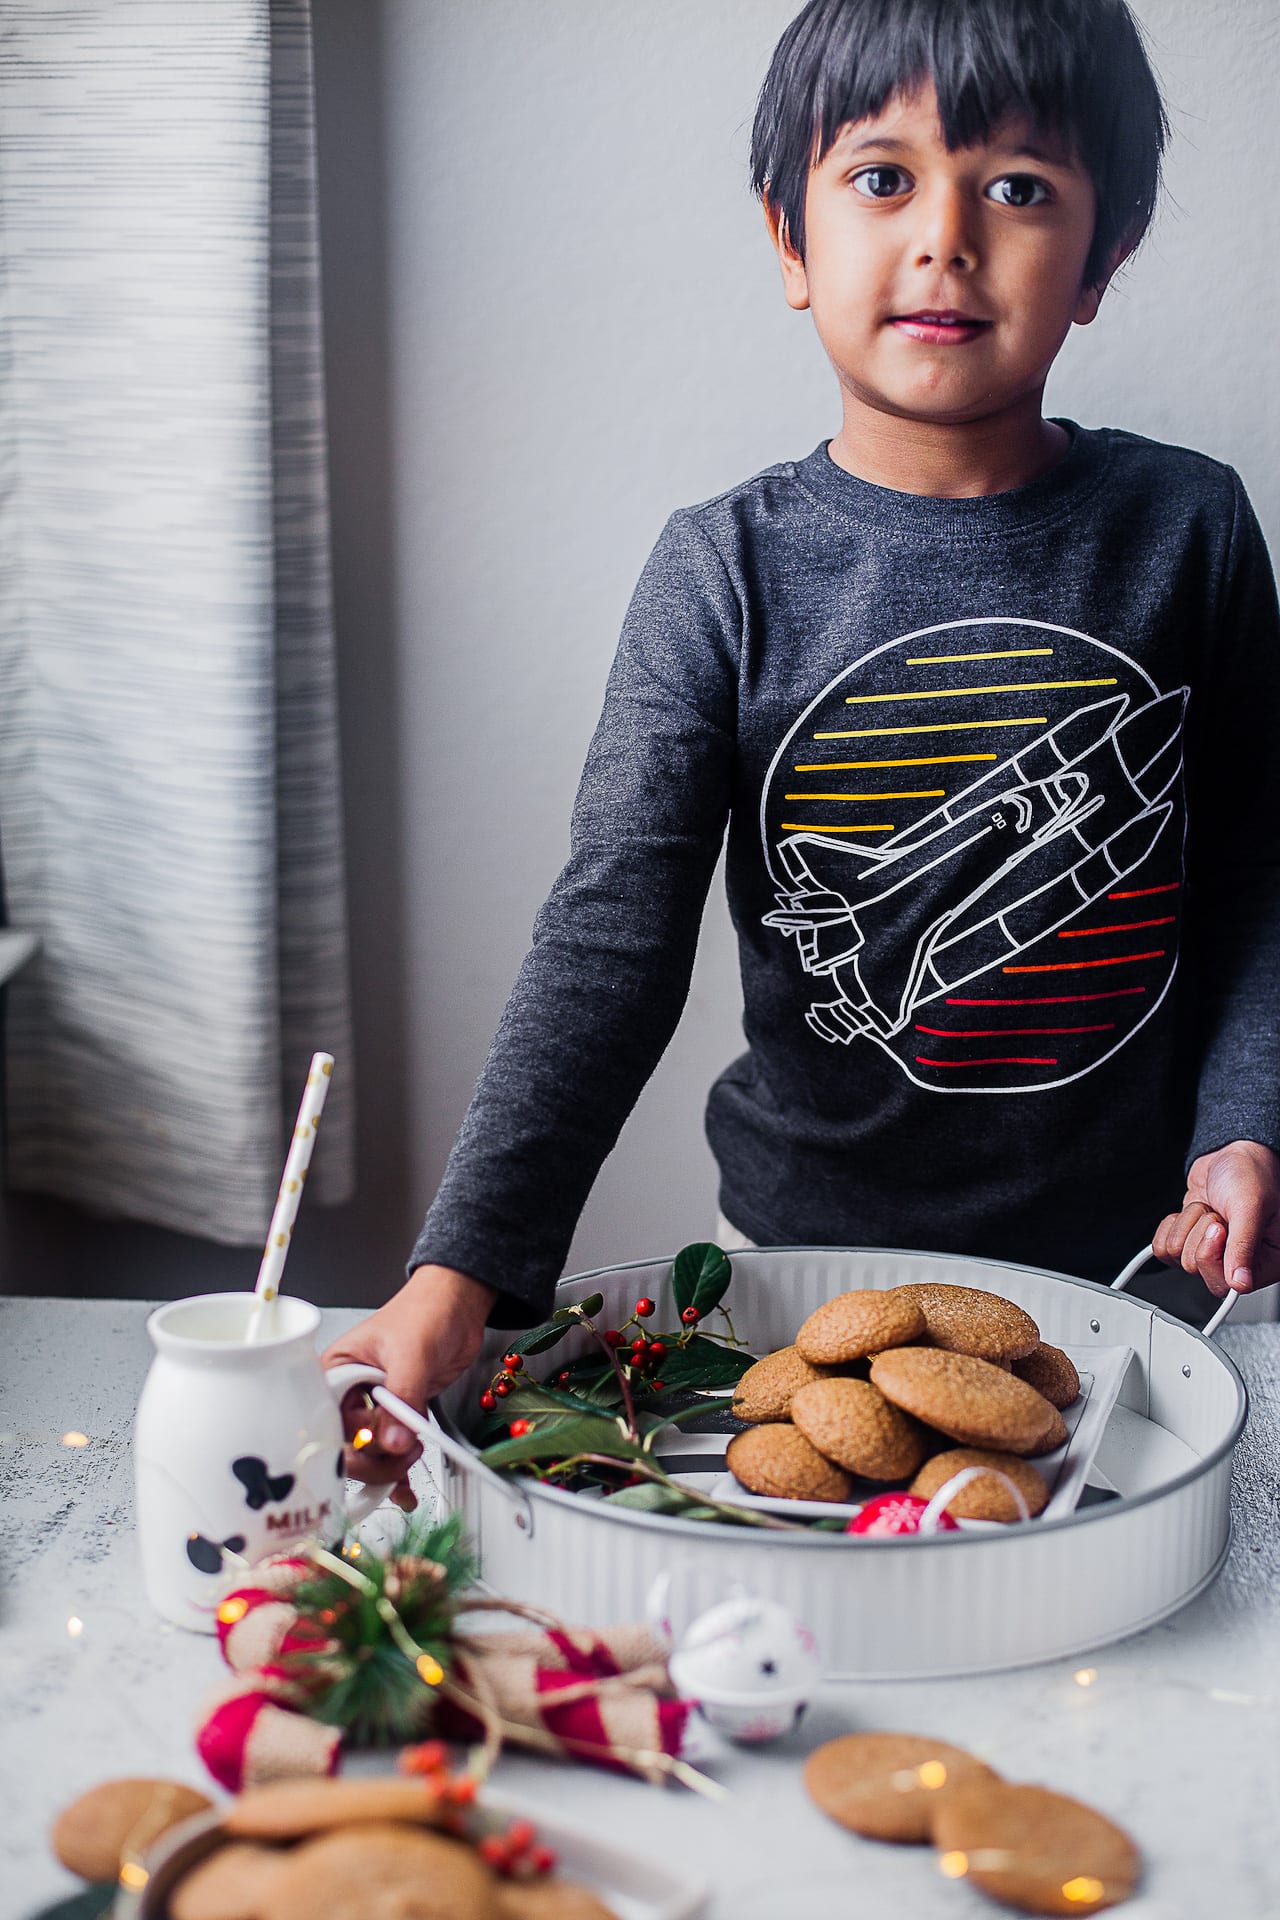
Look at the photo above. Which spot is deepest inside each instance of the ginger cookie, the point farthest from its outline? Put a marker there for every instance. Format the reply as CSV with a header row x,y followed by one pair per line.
x,y
966,1320
235,1883
91,1836
988,1498
889,1785
383,1871
1051,1373
288,1809
550,1900
777,1460
764,1391
851,1422
1055,1437
1036,1850
966,1398
856,1324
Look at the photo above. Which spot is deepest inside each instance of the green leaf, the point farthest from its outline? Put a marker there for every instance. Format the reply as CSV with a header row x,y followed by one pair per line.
x,y
700,1276
541,1339
704,1363
532,1398
649,1497
557,1440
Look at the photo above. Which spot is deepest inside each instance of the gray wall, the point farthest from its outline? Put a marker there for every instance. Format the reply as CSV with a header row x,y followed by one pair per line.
x,y
552,316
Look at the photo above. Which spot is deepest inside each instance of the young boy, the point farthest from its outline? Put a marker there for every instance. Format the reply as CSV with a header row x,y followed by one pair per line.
x,y
989,702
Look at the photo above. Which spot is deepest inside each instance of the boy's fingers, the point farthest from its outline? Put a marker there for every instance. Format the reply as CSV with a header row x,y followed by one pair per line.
x,y
1209,1246
1170,1236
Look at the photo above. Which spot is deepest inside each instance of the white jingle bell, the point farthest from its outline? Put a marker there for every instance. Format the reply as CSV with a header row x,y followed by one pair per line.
x,y
749,1666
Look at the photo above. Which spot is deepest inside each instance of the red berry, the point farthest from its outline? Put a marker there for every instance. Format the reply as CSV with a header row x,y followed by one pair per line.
x,y
656,1386
493,1851
502,1386
513,1362
614,1339
520,1836
462,1791
519,1427
657,1351
487,1401
644,1307
542,1859
691,1316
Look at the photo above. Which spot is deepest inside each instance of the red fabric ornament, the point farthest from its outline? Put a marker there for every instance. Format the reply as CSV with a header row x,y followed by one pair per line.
x,y
894,1513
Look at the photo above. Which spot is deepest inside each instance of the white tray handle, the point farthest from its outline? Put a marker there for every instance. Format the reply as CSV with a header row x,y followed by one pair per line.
x,y
1140,1260
432,1434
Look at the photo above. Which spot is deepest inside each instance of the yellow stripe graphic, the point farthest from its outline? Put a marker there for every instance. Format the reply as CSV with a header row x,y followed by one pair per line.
x,y
963,693
921,793
1010,653
934,726
811,826
848,766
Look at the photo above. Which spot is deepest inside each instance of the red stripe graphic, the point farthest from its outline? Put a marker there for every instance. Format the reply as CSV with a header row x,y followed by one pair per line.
x,y
1128,926
1047,999
999,1033
1067,966
1000,1060
1136,893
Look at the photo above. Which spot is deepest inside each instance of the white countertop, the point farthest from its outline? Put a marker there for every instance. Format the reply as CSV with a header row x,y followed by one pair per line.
x,y
1178,1739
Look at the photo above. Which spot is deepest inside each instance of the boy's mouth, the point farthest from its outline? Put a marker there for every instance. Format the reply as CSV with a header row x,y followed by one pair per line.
x,y
940,325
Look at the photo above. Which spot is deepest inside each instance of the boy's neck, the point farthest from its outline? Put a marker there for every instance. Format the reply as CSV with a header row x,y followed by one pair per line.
x,y
950,462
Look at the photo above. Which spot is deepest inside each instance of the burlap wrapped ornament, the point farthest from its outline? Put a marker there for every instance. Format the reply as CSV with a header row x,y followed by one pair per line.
x,y
601,1697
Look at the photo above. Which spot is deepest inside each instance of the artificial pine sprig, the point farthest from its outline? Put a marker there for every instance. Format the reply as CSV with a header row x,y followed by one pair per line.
x,y
384,1631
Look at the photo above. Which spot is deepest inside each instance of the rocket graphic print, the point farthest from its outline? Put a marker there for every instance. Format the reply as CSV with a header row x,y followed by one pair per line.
x,y
975,839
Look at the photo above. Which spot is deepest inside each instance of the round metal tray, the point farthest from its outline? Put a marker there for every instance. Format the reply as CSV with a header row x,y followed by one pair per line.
x,y
919,1606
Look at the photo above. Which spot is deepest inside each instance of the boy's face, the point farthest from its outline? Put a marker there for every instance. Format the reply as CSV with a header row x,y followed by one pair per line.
x,y
896,226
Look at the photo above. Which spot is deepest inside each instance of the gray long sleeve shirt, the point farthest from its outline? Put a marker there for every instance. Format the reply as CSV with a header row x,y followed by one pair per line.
x,y
1002,783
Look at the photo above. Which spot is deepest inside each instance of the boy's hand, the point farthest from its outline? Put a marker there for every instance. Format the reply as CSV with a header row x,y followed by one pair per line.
x,y
1229,1228
425,1336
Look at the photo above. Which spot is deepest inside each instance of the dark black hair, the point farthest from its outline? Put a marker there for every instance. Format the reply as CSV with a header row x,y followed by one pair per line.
x,y
1075,68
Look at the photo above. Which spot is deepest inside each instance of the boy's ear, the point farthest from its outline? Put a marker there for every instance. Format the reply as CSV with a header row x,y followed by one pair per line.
x,y
795,281
1091,297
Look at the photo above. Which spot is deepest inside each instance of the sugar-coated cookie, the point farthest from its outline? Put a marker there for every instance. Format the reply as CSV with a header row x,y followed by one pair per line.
x,y
383,1871
1051,1372
858,1323
967,1398
851,1422
764,1391
91,1835
967,1320
288,1809
551,1899
987,1498
778,1461
234,1883
888,1785
1035,1850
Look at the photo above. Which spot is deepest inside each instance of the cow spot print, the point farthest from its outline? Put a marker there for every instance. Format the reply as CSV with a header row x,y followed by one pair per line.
x,y
206,1555
259,1485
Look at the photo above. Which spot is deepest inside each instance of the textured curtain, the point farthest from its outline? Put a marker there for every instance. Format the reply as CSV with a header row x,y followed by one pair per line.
x,y
169,804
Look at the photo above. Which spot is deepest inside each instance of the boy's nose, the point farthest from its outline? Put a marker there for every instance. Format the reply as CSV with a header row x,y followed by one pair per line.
x,y
944,236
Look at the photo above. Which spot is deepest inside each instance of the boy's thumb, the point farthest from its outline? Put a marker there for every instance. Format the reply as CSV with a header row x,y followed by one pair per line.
x,y
1244,1230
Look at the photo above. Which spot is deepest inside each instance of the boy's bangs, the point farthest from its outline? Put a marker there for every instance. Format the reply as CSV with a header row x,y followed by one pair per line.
x,y
987,64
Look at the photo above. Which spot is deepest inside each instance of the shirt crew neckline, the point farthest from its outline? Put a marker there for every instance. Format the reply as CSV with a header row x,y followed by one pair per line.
x,y
977,516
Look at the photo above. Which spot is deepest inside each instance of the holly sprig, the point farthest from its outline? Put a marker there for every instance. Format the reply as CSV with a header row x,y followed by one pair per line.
x,y
595,1420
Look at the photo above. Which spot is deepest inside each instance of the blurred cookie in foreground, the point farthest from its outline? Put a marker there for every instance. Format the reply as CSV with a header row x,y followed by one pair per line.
x,y
1035,1850
887,1786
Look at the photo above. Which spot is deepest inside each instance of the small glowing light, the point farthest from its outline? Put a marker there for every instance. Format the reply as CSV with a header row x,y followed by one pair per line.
x,y
75,1627
1086,1676
233,1609
1084,1889
932,1774
354,1551
429,1669
363,1438
133,1876
74,1439
953,1866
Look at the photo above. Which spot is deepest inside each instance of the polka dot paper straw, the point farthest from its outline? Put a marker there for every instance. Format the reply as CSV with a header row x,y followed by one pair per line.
x,y
286,1207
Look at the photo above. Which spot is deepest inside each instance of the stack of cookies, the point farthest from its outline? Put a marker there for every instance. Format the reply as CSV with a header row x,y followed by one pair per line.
x,y
299,1849
879,1385
1024,1846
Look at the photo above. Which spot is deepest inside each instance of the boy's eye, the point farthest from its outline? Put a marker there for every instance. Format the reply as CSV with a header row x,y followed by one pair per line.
x,y
881,182
1021,188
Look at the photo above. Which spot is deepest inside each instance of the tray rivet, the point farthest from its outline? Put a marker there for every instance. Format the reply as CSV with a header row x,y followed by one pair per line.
x,y
522,1521
1186,1374
1095,1326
